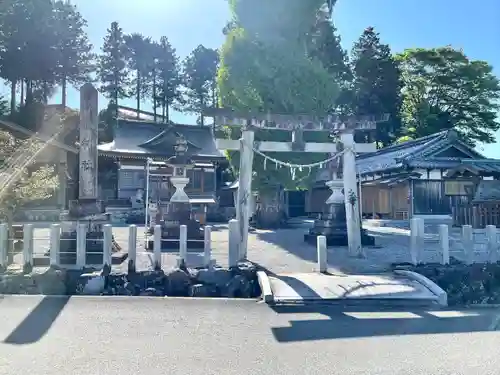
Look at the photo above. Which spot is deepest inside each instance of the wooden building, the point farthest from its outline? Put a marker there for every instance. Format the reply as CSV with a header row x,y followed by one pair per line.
x,y
433,176
123,163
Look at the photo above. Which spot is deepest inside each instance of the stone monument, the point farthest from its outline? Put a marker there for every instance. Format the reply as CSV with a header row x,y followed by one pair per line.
x,y
87,209
336,223
179,210
333,223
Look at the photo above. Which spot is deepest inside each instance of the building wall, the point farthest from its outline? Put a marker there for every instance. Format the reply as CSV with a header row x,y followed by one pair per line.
x,y
133,178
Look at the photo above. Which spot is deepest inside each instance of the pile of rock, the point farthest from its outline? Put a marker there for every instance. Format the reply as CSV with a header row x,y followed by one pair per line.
x,y
477,283
50,282
237,282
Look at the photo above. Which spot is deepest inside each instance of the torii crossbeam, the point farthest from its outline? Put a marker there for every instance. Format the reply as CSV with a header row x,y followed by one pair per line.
x,y
250,122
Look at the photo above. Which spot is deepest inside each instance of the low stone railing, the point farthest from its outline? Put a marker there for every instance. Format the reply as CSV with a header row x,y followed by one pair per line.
x,y
470,246
81,252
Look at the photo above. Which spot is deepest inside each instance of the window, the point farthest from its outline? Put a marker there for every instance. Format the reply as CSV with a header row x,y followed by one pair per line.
x,y
195,179
458,187
209,181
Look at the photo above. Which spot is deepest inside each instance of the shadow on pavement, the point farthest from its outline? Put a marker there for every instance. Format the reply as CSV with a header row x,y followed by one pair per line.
x,y
341,322
38,322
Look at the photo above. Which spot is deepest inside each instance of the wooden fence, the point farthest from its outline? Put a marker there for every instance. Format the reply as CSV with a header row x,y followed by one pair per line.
x,y
477,215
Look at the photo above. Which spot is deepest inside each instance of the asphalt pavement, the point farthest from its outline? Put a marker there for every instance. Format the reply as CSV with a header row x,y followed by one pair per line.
x,y
115,335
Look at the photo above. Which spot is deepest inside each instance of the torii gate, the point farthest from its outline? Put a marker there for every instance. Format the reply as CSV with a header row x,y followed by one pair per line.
x,y
249,122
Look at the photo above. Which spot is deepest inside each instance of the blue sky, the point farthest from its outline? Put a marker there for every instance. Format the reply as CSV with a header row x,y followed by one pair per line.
x,y
472,26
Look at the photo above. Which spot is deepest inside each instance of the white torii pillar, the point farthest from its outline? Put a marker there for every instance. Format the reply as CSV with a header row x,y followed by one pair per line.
x,y
351,194
243,205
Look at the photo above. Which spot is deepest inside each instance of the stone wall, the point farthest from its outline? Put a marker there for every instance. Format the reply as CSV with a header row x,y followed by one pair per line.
x,y
237,282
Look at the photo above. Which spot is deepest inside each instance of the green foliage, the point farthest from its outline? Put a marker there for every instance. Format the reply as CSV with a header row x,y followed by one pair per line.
x,y
377,85
444,89
4,106
270,64
324,45
200,71
107,121
112,66
140,60
29,183
75,57
168,79
42,43
27,40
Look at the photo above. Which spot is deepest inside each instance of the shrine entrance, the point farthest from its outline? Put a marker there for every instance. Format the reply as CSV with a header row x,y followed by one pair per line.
x,y
295,203
342,128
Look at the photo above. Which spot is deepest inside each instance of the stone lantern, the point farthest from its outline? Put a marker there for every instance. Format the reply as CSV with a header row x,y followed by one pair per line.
x,y
179,208
180,163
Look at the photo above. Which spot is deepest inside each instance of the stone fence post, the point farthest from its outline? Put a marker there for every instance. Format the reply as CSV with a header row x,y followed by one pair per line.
x,y
322,255
234,243
4,240
207,248
491,238
28,247
55,244
183,244
132,248
107,245
468,243
81,245
157,247
416,239
444,243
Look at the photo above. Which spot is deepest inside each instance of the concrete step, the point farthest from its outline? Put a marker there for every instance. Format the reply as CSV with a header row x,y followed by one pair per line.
x,y
394,289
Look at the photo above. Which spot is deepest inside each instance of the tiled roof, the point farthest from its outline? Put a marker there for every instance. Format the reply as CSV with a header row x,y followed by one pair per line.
x,y
410,153
143,139
480,165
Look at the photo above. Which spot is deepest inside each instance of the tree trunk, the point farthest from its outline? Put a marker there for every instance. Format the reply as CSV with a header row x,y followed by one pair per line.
x,y
167,114
154,95
29,92
64,91
21,101
270,212
202,107
138,94
13,85
115,97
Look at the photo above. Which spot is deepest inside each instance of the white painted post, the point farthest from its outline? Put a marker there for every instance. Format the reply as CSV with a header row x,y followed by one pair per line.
x,y
421,237
81,245
468,243
444,243
107,245
414,240
157,247
55,244
183,244
491,237
207,248
244,190
350,189
28,245
322,257
234,243
4,234
132,247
